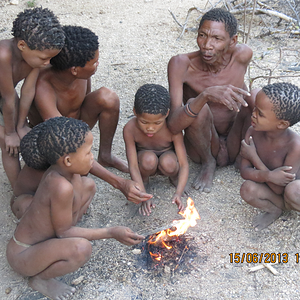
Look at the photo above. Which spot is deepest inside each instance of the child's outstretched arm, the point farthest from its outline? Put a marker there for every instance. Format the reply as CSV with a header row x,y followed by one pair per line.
x,y
10,98
27,95
183,173
62,218
131,190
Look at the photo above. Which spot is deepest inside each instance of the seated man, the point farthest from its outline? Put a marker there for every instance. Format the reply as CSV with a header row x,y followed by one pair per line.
x,y
210,84
65,89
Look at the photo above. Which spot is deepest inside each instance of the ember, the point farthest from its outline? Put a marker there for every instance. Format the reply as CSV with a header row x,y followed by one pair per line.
x,y
166,239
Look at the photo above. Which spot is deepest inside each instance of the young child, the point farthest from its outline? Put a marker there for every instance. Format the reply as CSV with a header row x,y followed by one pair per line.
x,y
37,37
46,242
271,154
150,146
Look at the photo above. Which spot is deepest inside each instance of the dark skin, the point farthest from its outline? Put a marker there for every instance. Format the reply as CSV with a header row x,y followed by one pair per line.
x,y
17,62
270,164
212,81
28,181
145,136
68,93
57,246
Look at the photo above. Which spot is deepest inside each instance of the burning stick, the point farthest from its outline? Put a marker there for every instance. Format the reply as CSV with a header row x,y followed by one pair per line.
x,y
161,238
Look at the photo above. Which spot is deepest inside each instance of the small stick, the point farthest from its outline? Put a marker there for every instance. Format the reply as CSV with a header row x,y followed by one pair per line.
x,y
186,249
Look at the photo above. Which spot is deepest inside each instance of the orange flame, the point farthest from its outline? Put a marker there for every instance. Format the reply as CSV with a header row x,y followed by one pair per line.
x,y
156,256
190,215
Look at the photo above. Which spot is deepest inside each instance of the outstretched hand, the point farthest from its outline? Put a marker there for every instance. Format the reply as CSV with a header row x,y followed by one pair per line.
x,y
227,95
177,199
133,192
145,208
126,236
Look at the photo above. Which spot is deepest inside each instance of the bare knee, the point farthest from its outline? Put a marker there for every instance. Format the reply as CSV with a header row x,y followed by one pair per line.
x,y
168,163
80,251
89,184
108,99
248,191
292,195
148,161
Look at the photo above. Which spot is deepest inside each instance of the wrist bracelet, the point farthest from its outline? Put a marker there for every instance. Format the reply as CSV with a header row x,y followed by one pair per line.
x,y
189,112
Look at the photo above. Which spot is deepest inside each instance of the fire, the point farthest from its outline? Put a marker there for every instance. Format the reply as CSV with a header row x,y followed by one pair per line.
x,y
161,238
156,256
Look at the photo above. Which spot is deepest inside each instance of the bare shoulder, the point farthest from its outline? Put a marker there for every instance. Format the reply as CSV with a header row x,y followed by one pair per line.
x,y
182,61
57,186
44,81
295,141
130,126
243,53
5,51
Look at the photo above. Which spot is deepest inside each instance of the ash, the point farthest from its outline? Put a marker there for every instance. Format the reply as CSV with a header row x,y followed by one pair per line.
x,y
179,258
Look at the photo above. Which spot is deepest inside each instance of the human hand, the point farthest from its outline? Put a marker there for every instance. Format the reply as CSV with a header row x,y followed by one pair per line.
x,y
281,176
23,131
133,192
145,208
12,144
248,151
125,235
227,95
177,199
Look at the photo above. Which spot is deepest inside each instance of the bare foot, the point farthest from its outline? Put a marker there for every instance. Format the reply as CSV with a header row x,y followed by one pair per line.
x,y
263,220
114,162
203,182
51,288
222,158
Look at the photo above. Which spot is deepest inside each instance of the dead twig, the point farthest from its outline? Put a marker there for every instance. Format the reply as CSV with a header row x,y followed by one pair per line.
x,y
185,250
251,20
269,12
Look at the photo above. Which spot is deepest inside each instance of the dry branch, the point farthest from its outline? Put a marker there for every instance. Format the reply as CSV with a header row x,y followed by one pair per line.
x,y
269,12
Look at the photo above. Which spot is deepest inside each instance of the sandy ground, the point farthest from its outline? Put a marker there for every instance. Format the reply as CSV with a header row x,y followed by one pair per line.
x,y
137,39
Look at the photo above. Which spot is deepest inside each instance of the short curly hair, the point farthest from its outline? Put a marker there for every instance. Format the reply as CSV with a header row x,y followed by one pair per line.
x,y
223,16
39,28
285,98
152,99
80,47
50,140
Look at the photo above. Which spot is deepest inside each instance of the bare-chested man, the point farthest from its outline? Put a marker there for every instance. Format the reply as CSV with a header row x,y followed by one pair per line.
x,y
65,89
210,84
